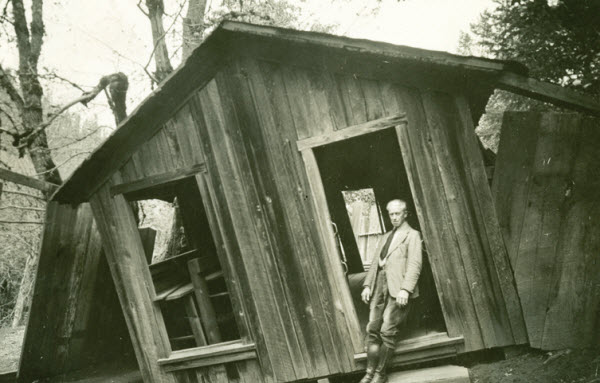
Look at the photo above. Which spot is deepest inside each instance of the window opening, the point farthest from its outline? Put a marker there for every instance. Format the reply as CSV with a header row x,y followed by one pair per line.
x,y
189,282
360,175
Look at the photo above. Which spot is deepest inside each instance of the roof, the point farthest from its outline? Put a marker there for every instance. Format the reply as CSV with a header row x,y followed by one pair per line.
x,y
231,38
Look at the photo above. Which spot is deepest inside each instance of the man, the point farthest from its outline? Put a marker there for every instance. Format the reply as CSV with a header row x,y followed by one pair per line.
x,y
390,284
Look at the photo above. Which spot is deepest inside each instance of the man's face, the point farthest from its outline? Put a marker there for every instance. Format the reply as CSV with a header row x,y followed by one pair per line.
x,y
397,214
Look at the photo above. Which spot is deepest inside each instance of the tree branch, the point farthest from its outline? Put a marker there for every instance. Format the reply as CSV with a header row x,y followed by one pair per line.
x,y
139,5
117,84
73,142
62,163
24,222
24,194
22,208
54,76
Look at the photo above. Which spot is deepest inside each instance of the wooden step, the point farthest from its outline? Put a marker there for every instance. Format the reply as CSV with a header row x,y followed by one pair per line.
x,y
420,349
441,374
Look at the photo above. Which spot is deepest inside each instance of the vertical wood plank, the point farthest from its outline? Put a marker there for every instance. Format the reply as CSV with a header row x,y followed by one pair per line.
x,y
512,175
279,126
500,271
237,189
293,261
130,272
449,273
207,311
491,313
194,320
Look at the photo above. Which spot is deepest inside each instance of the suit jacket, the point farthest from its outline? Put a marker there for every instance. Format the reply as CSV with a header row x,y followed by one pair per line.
x,y
403,263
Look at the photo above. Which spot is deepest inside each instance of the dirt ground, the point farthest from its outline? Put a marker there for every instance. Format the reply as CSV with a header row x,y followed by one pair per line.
x,y
533,366
10,348
523,366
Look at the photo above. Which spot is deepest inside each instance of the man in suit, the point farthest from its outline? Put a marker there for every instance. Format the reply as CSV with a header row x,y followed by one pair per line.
x,y
389,286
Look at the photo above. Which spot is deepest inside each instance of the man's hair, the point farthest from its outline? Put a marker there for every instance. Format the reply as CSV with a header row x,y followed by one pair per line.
x,y
395,202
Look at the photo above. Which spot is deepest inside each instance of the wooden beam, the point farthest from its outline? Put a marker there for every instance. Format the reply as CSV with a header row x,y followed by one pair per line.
x,y
31,182
158,179
224,348
194,319
207,311
133,282
353,131
547,92
360,46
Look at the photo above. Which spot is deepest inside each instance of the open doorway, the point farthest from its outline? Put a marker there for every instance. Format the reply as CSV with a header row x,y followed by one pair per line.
x,y
360,175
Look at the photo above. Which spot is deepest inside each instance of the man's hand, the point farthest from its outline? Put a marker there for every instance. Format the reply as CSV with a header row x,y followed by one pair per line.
x,y
402,298
366,294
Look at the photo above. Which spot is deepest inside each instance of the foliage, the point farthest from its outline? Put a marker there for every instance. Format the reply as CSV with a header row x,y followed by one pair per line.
x,y
558,40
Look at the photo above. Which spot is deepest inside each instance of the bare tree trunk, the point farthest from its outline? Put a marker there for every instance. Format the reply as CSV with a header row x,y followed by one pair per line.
x,y
29,104
193,26
161,54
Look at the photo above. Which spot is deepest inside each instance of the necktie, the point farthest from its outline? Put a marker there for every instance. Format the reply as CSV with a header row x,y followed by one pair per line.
x,y
387,244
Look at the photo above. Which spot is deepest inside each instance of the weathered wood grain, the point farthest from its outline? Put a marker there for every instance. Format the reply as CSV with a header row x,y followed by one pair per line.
x,y
352,131
205,306
425,176
268,138
238,188
555,232
130,271
157,179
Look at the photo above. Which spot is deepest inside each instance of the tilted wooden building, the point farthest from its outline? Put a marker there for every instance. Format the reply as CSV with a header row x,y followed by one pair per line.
x,y
256,135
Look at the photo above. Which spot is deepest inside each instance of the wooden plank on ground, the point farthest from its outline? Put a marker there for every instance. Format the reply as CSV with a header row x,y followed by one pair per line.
x,y
440,374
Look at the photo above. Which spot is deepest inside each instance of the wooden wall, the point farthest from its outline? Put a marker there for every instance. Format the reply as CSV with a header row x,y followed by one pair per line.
x,y
546,188
244,125
75,317
279,104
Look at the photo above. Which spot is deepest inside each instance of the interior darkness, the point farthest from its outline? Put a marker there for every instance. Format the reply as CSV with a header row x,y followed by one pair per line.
x,y
375,161
173,275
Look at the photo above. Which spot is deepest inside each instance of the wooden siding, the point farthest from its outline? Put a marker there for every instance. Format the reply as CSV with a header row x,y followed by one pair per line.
x,y
275,238
546,192
470,264
75,317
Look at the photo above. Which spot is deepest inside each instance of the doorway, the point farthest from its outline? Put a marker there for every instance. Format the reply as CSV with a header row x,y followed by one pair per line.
x,y
359,176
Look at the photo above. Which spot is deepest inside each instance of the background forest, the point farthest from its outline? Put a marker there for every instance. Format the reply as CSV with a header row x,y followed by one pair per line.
x,y
53,113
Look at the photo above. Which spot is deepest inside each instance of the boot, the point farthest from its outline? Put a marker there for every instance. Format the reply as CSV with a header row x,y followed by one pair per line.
x,y
385,354
372,358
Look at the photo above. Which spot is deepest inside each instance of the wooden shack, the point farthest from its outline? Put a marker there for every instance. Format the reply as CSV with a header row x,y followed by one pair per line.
x,y
256,135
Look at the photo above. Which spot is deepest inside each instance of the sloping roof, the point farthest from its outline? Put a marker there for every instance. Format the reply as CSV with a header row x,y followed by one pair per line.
x,y
232,38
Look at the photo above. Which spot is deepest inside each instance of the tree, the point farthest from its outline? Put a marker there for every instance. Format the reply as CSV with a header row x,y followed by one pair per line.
x,y
558,40
28,115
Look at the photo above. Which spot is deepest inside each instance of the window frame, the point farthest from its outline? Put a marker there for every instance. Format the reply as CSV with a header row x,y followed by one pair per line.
x,y
211,354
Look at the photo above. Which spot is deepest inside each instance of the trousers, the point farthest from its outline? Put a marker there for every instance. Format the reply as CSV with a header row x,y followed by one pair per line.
x,y
385,315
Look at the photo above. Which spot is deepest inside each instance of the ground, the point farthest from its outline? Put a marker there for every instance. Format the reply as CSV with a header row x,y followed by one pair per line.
x,y
10,348
522,366
533,366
